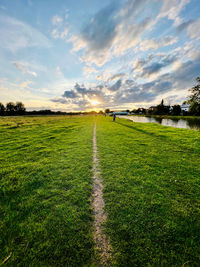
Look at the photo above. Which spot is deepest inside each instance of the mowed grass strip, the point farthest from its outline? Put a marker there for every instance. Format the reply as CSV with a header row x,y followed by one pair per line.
x,y
151,177
45,189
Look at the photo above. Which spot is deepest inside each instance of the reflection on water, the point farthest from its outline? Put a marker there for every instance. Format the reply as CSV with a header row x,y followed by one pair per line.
x,y
179,123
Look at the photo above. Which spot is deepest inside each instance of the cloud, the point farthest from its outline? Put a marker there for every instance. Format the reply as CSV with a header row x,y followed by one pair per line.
x,y
117,28
55,34
16,35
184,25
123,92
171,9
81,97
146,68
24,68
116,86
193,29
61,27
25,84
157,43
139,63
64,32
70,94
116,76
57,20
88,70
111,32
60,33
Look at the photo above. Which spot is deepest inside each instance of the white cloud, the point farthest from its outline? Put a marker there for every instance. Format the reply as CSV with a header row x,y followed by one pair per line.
x,y
172,9
157,43
24,68
64,33
112,32
193,29
88,70
77,42
57,20
55,34
25,84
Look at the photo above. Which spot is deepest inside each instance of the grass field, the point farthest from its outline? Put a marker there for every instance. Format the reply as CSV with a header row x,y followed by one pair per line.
x,y
45,189
151,177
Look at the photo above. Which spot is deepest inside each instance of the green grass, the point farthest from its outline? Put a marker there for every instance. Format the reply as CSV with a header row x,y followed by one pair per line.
x,y
45,190
151,176
151,188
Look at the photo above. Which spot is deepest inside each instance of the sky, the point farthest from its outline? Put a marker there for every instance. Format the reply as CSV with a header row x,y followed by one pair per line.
x,y
90,55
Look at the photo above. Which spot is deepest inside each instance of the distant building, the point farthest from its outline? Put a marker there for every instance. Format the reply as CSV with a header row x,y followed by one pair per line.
x,y
185,107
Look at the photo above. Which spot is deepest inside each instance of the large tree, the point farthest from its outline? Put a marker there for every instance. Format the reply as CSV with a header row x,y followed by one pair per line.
x,y
195,93
194,99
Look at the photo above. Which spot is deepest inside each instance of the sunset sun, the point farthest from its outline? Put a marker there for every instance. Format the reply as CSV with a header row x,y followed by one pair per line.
x,y
94,102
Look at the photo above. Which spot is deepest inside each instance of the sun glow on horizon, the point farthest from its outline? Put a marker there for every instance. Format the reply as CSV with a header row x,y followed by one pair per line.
x,y
94,102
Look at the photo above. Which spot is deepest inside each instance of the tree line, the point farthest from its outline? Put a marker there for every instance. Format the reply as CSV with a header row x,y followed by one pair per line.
x,y
18,108
12,109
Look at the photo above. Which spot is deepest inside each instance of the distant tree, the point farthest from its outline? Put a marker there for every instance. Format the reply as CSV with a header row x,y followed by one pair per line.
x,y
2,109
161,109
107,110
10,108
19,108
100,112
176,110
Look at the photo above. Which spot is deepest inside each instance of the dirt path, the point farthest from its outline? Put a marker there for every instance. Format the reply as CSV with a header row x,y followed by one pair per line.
x,y
101,242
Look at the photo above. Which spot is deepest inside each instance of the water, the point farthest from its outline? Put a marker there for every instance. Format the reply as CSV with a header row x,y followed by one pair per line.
x,y
178,123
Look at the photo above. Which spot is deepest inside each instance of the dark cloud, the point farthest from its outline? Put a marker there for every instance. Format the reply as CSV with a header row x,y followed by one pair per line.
x,y
115,86
60,100
134,95
101,30
116,76
157,66
128,91
184,25
69,94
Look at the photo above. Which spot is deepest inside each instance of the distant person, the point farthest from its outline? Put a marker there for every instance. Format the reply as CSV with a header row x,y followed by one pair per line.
x,y
114,116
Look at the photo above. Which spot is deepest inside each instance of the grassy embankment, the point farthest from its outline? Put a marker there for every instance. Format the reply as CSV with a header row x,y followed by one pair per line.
x,y
45,187
151,176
